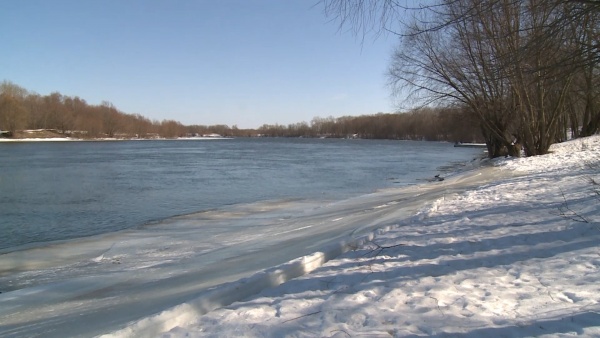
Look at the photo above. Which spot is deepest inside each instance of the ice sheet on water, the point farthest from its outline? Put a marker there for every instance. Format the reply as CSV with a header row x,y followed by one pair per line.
x,y
102,280
500,259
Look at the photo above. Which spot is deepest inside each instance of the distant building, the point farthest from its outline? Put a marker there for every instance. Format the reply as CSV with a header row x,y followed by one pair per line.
x,y
212,135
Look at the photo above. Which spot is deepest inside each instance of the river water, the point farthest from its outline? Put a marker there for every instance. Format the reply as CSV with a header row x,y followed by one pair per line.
x,y
96,236
60,190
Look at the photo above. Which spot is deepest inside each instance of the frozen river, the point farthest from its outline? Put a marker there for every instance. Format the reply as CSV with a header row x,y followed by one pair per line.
x,y
158,224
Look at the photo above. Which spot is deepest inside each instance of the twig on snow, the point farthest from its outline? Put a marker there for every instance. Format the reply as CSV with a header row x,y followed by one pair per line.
x,y
566,212
306,315
341,331
437,303
379,248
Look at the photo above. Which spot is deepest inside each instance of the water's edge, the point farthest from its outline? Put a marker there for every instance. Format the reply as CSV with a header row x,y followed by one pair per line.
x,y
238,290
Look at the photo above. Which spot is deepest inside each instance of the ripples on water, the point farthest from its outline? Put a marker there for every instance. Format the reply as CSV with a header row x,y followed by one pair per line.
x,y
52,191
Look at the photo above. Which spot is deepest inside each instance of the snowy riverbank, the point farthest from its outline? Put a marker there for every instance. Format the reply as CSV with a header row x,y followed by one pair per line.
x,y
516,257
70,139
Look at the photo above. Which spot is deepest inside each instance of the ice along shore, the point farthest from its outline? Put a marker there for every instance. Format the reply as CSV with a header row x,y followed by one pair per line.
x,y
517,256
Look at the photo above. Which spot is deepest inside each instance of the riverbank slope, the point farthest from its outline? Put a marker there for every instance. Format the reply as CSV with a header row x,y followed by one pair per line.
x,y
516,257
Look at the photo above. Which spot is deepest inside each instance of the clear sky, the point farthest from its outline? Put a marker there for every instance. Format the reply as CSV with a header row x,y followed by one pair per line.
x,y
244,62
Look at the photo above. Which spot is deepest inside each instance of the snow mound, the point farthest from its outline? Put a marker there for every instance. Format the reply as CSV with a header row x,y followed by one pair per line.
x,y
230,292
573,154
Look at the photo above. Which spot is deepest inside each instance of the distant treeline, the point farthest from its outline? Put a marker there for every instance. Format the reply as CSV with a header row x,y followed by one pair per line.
x,y
73,116
442,124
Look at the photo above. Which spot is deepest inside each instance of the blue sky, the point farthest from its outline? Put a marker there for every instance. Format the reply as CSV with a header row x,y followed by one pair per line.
x,y
244,62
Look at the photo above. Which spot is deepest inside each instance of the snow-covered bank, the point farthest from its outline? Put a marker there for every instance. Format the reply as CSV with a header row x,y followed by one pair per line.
x,y
49,139
59,139
516,257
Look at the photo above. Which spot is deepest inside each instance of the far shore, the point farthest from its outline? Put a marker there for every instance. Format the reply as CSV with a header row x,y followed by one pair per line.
x,y
50,135
43,135
69,139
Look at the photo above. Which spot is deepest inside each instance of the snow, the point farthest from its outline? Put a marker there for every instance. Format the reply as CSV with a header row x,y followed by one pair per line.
x,y
57,139
509,248
517,256
51,139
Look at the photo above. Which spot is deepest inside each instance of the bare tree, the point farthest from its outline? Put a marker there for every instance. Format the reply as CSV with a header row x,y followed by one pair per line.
x,y
582,19
513,63
13,116
110,118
